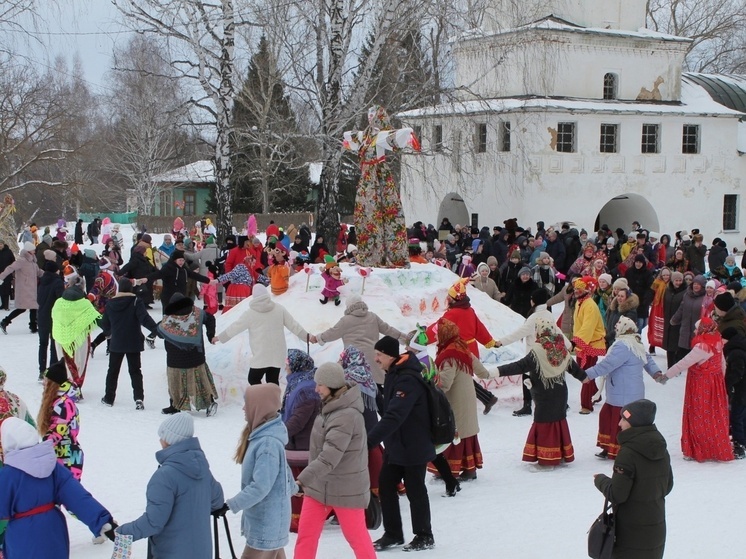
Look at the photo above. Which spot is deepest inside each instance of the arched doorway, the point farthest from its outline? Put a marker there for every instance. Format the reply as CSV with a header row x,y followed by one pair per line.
x,y
622,210
454,208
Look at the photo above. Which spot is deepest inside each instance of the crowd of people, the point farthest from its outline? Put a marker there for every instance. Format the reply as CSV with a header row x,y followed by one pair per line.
x,y
352,436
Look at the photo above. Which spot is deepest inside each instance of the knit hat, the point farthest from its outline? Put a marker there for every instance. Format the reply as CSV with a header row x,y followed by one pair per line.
x,y
259,291
450,238
701,280
539,296
711,283
388,346
725,301
621,283
482,266
28,246
491,261
606,278
515,254
414,242
458,290
175,255
685,238
524,270
734,286
125,285
57,372
677,276
639,413
16,434
178,427
331,375
640,258
585,283
50,255
543,255
147,239
610,241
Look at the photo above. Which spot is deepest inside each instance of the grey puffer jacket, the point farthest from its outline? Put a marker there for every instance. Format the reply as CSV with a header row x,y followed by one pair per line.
x,y
337,472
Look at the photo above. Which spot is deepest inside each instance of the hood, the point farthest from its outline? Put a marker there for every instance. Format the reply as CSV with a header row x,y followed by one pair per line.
x,y
37,461
690,293
186,456
73,294
28,256
632,302
646,441
347,397
358,309
407,360
273,428
262,304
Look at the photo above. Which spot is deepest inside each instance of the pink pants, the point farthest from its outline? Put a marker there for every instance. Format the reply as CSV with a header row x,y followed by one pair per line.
x,y
352,522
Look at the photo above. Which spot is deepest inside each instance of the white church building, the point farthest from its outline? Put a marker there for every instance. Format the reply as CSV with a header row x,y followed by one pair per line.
x,y
573,111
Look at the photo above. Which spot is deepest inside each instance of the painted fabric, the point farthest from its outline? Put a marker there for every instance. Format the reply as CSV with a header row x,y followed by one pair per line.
x,y
184,331
64,427
357,370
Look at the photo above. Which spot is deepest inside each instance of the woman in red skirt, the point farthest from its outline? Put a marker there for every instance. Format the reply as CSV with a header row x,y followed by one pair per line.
x,y
705,425
548,441
655,322
242,278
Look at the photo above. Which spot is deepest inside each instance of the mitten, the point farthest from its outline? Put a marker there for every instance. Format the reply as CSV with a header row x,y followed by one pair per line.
x,y
111,533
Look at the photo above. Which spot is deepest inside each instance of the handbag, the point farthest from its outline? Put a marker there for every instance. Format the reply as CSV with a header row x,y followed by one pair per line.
x,y
601,534
373,514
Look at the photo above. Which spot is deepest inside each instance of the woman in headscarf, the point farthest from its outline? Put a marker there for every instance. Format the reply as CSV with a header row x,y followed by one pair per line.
x,y
704,428
708,301
656,315
456,365
241,277
623,364
548,441
300,406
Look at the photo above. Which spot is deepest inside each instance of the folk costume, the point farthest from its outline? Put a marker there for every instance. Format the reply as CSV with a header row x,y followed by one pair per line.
x,y
379,218
588,335
656,316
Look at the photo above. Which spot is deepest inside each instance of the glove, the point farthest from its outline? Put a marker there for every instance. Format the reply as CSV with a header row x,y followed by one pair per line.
x,y
106,529
221,511
150,340
111,534
660,378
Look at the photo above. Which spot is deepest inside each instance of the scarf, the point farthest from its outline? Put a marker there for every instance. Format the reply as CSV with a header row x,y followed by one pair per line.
x,y
550,353
708,335
72,322
659,290
451,348
357,370
633,343
184,330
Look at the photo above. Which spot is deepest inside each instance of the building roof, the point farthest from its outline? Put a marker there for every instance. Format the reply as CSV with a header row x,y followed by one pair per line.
x,y
202,171
695,101
727,89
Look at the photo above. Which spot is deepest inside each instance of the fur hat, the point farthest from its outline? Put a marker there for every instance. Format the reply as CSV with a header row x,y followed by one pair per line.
x,y
388,346
178,427
725,301
57,372
640,413
331,375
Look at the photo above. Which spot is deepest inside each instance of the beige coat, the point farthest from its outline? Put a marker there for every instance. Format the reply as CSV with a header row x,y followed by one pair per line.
x,y
459,389
27,273
337,471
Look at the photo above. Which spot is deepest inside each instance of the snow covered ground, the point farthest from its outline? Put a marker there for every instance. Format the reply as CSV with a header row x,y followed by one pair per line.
x,y
509,511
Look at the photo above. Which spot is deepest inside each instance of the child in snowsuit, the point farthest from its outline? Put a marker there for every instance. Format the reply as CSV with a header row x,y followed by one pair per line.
x,y
333,280
208,292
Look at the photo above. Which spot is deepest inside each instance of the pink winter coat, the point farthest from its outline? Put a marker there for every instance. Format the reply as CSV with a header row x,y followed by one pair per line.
x,y
27,274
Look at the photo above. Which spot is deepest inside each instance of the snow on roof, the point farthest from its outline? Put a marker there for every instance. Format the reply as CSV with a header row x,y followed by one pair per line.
x,y
314,172
695,101
552,23
199,171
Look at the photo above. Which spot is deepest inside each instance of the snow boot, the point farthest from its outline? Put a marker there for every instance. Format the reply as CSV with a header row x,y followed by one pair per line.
x,y
324,301
739,451
139,405
3,326
420,543
525,410
489,405
170,410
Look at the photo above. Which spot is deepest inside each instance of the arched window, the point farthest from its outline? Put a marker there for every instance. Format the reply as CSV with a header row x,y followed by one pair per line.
x,y
610,86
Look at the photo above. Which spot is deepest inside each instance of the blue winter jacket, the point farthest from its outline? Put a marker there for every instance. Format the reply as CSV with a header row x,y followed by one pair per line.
x,y
266,487
32,478
624,370
181,494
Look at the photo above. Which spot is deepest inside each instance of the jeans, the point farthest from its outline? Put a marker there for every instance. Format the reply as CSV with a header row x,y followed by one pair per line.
x,y
738,423
44,339
256,375
112,377
414,481
641,323
351,521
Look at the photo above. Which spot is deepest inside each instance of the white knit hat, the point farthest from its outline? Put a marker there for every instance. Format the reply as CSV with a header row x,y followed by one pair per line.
x,y
711,283
16,434
331,375
28,246
179,427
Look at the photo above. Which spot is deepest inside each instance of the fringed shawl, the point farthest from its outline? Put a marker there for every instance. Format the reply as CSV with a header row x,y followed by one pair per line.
x,y
72,322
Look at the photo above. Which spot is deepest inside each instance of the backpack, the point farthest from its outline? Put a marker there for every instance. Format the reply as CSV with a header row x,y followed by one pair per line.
x,y
442,422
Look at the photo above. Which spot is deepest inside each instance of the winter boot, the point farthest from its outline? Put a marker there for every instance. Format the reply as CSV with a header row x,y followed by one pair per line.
x,y
420,543
324,301
525,410
139,405
337,301
387,542
739,451
170,410
489,405
3,325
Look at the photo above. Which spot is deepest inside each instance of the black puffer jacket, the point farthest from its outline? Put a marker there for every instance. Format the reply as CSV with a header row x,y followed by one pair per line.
x,y
671,302
404,428
639,283
642,479
138,267
734,351
50,289
123,316
520,296
175,279
551,403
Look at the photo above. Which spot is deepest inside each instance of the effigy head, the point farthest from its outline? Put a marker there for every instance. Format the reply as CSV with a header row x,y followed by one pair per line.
x,y
378,118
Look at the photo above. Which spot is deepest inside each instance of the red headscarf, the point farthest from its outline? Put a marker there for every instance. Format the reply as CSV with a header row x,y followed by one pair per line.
x,y
452,348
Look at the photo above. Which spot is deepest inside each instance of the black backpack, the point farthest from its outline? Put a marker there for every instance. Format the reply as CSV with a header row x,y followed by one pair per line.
x,y
442,422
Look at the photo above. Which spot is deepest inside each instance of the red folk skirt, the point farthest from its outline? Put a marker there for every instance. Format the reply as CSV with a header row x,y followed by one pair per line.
x,y
235,293
466,456
608,429
549,444
655,325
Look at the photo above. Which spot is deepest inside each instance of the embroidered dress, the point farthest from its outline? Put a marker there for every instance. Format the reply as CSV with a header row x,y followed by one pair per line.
x,y
63,429
379,218
655,317
239,289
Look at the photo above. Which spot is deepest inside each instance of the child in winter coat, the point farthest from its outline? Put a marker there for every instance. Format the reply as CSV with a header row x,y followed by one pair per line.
x,y
466,269
58,419
209,292
279,270
333,280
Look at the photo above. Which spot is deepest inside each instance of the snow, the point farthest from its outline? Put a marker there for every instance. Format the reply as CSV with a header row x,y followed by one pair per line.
x,y
508,512
199,171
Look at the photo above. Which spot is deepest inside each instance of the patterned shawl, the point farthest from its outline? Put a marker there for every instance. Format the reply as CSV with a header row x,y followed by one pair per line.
x,y
184,330
627,335
452,348
301,386
357,370
707,334
550,353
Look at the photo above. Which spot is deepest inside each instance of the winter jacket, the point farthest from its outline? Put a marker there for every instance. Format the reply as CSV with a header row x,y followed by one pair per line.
x,y
716,257
624,371
6,257
544,278
64,427
181,494
639,283
687,315
337,471
279,278
519,298
361,328
567,319
616,311
734,351
696,258
27,275
123,316
588,328
32,478
49,290
300,423
209,253
138,267
508,277
175,279
556,249
672,299
734,318
266,487
404,428
458,387
550,402
642,479
488,286
265,320
79,232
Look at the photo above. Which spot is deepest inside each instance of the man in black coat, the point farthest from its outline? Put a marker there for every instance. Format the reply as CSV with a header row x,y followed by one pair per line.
x,y
123,316
642,478
6,259
175,275
139,267
404,430
51,286
734,351
556,249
